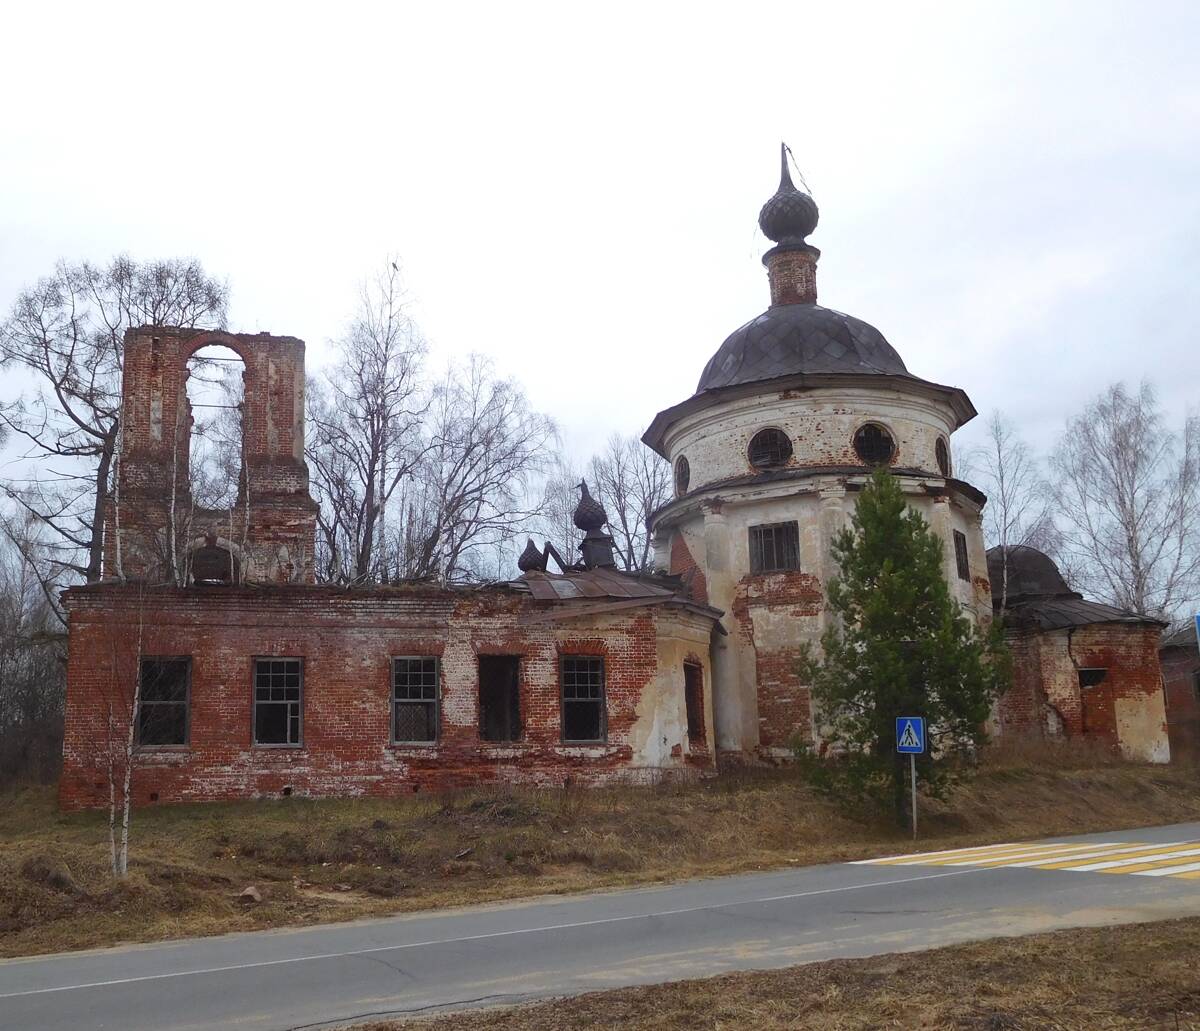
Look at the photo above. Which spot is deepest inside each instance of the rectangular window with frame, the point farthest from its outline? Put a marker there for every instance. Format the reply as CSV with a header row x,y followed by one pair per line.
x,y
774,547
583,712
279,702
164,696
414,699
693,696
960,555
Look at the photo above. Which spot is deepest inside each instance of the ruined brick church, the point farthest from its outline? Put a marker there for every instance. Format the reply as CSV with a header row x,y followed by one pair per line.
x,y
252,680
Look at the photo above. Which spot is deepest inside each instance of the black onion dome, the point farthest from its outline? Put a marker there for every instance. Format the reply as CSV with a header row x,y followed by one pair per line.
x,y
790,339
791,214
1031,574
531,558
589,513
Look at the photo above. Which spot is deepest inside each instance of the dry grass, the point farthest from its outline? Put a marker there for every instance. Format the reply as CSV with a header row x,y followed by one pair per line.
x,y
318,861
1137,976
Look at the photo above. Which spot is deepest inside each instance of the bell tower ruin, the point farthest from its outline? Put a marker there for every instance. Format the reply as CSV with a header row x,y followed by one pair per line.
x,y
153,528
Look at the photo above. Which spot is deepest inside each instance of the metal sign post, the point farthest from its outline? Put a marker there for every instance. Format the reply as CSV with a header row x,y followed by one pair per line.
x,y
910,741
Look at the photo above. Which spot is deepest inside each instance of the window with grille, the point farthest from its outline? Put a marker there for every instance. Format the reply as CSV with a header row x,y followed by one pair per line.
x,y
960,555
874,445
278,701
693,696
774,547
683,475
163,701
769,447
583,716
943,456
414,699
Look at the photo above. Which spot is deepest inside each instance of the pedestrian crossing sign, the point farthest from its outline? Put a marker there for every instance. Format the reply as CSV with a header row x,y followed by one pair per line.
x,y
910,735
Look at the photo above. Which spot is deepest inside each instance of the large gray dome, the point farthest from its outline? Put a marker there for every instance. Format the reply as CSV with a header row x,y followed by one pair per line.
x,y
789,339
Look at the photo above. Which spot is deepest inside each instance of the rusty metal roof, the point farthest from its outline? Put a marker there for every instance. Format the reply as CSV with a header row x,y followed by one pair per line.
x,y
610,588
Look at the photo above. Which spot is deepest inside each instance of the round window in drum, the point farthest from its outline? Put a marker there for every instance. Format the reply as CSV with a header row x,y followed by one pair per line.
x,y
769,447
942,450
683,476
874,445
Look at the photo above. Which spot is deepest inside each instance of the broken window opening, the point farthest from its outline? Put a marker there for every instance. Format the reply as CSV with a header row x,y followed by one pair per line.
x,y
278,702
774,547
960,555
215,392
693,696
164,696
769,447
414,699
874,445
1092,677
213,563
942,450
583,716
683,476
499,698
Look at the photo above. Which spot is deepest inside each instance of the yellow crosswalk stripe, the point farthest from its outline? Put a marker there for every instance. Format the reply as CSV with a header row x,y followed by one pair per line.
x,y
1159,859
1130,851
963,854
1047,854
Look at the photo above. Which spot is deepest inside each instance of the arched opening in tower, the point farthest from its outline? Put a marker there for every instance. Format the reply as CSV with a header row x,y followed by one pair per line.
x,y
215,393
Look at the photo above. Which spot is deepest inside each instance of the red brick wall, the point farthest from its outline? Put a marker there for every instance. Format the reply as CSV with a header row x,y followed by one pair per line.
x,y
1179,666
346,639
778,600
1046,675
683,564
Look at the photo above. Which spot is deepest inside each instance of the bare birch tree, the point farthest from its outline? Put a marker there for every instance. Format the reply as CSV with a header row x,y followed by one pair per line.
x,y
631,481
68,331
1018,511
1128,508
471,489
365,429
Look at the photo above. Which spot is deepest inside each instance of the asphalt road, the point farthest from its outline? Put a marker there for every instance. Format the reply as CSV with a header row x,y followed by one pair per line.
x,y
326,975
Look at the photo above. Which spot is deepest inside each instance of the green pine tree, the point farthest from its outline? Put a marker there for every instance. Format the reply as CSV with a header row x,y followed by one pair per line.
x,y
898,645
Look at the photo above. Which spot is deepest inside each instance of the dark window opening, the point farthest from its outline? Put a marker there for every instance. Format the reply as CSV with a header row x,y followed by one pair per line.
x,y
960,555
769,447
683,475
943,456
1092,677
693,696
774,547
499,698
163,701
582,698
213,564
278,698
414,699
874,445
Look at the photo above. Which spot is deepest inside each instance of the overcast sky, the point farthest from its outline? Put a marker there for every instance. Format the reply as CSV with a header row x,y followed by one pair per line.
x,y
1008,191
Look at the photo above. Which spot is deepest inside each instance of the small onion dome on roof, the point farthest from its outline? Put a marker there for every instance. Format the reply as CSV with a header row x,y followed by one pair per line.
x,y
589,513
1031,574
790,339
531,558
791,214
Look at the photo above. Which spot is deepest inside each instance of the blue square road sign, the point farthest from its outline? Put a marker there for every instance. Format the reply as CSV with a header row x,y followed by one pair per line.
x,y
910,735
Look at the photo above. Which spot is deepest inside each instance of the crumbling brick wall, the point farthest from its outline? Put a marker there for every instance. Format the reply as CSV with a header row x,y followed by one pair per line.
x,y
347,639
271,527
1181,667
1124,711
